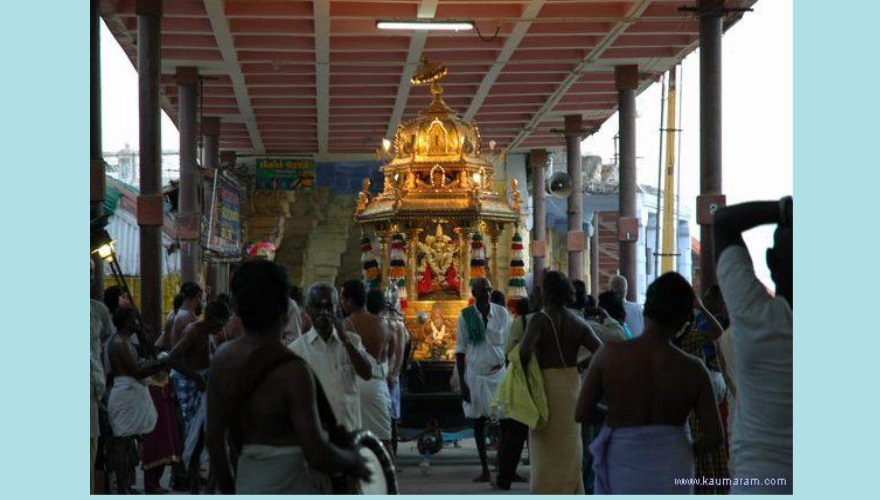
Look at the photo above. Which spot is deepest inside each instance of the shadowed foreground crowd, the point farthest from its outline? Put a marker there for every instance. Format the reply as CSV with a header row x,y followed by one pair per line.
x,y
683,396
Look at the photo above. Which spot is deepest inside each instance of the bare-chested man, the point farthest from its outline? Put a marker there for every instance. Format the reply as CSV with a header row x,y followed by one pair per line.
x,y
129,405
194,352
189,311
554,336
266,398
386,305
651,387
378,344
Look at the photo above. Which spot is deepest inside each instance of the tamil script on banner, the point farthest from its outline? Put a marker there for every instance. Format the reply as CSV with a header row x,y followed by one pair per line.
x,y
226,223
285,174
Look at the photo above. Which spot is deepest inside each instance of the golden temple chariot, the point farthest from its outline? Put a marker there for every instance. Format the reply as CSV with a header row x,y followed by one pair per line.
x,y
438,191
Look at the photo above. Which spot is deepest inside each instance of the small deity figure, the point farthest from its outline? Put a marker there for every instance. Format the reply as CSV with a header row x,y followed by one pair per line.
x,y
364,196
409,183
438,339
514,189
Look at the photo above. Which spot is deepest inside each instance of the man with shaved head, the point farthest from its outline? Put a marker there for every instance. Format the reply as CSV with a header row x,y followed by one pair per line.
x,y
479,356
761,333
634,318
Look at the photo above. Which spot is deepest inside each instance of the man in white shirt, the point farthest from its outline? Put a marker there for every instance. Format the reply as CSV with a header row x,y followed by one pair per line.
x,y
761,333
101,328
634,320
336,356
479,356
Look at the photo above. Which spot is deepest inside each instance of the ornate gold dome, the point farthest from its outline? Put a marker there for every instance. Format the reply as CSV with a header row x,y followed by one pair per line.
x,y
437,168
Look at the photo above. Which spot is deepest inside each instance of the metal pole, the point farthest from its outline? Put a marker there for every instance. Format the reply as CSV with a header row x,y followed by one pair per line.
x,y
576,243
710,124
668,261
626,81
150,201
659,178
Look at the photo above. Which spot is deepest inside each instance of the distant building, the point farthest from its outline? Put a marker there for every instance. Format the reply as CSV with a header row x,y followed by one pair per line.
x,y
600,208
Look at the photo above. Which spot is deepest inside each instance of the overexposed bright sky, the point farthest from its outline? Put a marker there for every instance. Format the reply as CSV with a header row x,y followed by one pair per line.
x,y
756,113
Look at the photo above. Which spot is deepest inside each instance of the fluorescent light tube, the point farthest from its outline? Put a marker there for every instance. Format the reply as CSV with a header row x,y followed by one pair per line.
x,y
425,25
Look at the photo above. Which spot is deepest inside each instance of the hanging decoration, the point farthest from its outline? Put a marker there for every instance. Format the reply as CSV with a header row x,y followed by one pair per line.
x,y
516,286
478,257
372,273
397,267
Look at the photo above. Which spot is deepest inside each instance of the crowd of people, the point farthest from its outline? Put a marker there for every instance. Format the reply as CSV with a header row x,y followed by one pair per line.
x,y
266,386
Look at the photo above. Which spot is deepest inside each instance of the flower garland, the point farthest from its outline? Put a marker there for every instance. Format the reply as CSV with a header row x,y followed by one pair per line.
x,y
397,267
516,286
372,273
261,250
478,257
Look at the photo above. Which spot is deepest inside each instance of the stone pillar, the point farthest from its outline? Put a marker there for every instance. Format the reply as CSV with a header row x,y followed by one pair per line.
x,y
150,213
189,216
538,159
626,80
96,163
575,246
710,131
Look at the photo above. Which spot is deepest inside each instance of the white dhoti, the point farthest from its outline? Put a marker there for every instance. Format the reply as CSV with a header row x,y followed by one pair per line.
x,y
376,402
482,380
484,359
272,470
650,459
130,408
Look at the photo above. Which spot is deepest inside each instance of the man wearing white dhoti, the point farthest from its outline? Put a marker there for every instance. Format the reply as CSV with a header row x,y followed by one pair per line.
x,y
129,405
651,387
479,356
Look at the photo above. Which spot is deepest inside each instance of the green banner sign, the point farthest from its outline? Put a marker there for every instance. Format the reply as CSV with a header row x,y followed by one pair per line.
x,y
285,174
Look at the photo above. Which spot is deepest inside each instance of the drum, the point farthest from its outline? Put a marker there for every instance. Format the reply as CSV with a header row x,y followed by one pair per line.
x,y
384,478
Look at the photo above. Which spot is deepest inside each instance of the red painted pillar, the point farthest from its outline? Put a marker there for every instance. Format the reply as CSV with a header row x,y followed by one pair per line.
x,y
189,217
96,163
211,141
150,202
538,161
576,243
626,80
711,12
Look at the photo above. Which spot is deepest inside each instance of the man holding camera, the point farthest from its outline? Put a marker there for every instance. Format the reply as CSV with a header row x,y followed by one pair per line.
x,y
761,332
